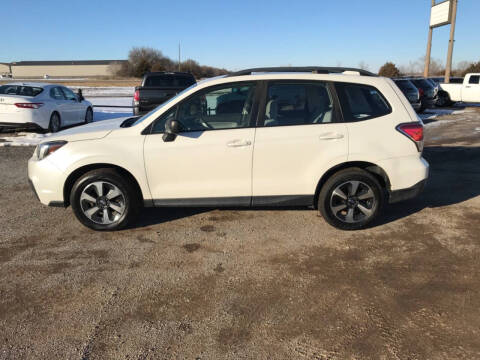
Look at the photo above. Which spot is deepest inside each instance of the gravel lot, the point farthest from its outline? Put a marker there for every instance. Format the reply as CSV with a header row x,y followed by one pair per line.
x,y
249,284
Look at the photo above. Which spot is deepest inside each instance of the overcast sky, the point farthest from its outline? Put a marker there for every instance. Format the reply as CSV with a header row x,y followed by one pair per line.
x,y
236,34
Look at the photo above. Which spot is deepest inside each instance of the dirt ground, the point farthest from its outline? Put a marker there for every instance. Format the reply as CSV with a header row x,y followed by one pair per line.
x,y
249,284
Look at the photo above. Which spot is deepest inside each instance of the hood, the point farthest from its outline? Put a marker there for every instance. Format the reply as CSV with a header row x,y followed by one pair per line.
x,y
95,130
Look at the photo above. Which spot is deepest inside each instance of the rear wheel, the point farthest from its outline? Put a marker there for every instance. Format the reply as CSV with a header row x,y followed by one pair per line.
x,y
89,116
351,199
103,200
55,123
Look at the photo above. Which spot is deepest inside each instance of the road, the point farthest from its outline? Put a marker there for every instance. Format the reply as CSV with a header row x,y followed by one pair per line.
x,y
249,284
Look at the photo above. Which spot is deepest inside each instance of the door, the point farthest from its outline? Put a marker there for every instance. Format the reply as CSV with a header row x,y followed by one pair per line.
x,y
210,161
471,90
298,137
74,108
61,105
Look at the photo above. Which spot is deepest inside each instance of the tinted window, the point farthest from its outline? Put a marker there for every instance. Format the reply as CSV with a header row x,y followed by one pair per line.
x,y
298,104
20,90
57,94
422,83
69,95
474,79
169,81
405,85
159,126
227,107
361,102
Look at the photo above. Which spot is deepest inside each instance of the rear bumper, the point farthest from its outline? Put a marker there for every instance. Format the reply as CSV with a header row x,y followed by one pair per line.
x,y
408,193
28,126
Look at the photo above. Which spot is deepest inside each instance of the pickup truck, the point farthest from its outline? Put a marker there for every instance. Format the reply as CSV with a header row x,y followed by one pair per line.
x,y
158,87
468,91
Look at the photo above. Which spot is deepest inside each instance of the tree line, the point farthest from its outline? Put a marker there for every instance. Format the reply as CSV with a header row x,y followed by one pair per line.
x,y
142,60
389,69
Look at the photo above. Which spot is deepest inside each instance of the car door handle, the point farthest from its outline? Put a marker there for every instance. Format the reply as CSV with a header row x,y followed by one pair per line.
x,y
468,87
239,143
330,136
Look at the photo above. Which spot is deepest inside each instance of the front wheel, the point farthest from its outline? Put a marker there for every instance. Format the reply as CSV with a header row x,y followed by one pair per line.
x,y
89,116
103,200
351,199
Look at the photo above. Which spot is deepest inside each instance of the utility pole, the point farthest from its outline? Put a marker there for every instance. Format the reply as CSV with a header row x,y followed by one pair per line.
x,y
448,68
429,48
179,57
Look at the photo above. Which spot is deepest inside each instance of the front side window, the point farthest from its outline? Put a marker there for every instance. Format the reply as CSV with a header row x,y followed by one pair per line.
x,y
69,95
474,79
298,104
361,102
226,107
56,93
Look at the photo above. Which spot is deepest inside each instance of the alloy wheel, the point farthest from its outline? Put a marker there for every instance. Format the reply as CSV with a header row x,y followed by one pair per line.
x,y
102,202
353,201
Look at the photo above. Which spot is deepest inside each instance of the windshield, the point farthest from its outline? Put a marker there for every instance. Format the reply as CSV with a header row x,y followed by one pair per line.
x,y
140,119
20,90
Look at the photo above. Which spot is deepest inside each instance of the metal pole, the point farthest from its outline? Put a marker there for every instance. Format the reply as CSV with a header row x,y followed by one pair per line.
x,y
429,48
448,68
178,56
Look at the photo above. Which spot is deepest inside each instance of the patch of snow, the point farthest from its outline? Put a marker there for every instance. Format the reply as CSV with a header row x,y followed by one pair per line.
x,y
108,91
23,139
106,113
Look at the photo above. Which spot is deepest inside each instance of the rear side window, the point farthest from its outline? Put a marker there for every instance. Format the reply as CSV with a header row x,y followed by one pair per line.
x,y
298,104
56,93
361,102
169,81
21,90
474,79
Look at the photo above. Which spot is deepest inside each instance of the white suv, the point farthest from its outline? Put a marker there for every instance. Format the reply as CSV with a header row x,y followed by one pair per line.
x,y
340,140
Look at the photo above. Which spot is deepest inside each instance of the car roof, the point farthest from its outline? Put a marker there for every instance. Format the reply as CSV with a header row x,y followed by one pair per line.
x,y
33,84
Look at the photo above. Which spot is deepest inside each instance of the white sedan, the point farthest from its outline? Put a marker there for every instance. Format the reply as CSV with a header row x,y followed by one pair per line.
x,y
42,106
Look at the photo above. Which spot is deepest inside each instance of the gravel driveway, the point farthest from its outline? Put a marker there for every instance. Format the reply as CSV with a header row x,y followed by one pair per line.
x,y
249,284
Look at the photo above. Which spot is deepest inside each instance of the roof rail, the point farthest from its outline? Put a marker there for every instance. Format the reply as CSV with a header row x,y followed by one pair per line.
x,y
305,69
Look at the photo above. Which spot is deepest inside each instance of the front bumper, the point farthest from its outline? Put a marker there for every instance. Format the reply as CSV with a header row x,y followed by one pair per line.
x,y
408,193
46,181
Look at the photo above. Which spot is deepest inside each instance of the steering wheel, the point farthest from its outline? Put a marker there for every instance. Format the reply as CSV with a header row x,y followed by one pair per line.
x,y
204,124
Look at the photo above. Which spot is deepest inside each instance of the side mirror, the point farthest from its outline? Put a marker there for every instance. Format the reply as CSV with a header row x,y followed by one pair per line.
x,y
80,95
172,128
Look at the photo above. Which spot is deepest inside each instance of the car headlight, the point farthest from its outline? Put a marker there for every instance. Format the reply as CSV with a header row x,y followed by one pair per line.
x,y
47,148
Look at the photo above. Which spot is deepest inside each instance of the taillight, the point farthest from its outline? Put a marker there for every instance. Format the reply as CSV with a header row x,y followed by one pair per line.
x,y
29,105
136,96
421,92
414,131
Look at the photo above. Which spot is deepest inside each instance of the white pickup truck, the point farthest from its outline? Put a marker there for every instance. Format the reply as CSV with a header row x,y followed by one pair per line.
x,y
468,91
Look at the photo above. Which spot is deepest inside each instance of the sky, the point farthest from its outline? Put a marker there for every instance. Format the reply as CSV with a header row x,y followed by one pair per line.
x,y
236,34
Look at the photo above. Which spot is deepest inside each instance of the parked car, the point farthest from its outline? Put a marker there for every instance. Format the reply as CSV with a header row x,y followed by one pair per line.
x,y
410,91
453,79
41,106
468,91
158,87
428,93
341,140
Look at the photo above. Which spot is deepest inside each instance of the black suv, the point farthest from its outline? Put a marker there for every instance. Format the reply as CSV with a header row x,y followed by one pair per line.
x,y
158,87
428,93
410,91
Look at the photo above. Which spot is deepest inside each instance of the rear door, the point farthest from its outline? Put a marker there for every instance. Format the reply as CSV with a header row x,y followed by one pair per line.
x,y
299,136
471,90
210,161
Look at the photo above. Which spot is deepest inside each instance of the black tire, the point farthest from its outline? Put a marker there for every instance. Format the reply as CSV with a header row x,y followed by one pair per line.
x,y
130,196
342,178
88,115
53,126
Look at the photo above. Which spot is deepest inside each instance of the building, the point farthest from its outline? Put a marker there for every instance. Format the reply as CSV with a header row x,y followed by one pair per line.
x,y
74,68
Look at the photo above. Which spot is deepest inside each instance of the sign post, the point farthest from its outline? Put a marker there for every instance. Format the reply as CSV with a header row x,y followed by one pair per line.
x,y
441,14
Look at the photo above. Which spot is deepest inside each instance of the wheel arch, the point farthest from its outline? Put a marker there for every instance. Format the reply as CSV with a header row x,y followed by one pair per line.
x,y
372,168
77,173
